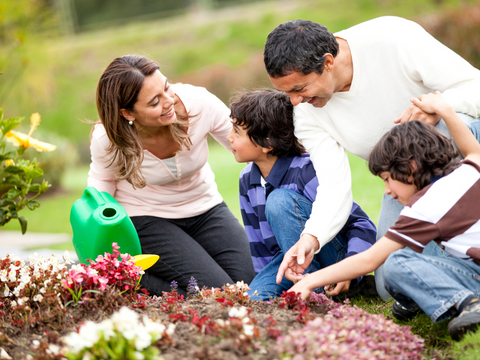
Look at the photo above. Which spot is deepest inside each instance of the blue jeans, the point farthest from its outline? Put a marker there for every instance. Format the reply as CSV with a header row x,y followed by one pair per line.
x,y
434,283
287,212
391,209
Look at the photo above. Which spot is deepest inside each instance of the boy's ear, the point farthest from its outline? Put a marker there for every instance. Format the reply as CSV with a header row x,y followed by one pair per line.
x,y
413,166
266,150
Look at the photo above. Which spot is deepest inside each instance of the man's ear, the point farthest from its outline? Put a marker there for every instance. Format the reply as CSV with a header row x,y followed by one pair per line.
x,y
127,115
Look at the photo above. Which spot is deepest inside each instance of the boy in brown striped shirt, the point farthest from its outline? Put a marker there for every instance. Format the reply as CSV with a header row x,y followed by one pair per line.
x,y
441,195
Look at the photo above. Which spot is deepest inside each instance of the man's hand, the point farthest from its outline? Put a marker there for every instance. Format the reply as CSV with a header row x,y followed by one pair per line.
x,y
302,287
415,113
298,258
342,287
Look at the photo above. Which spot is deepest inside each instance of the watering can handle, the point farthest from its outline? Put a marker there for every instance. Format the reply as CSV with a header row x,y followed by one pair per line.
x,y
95,196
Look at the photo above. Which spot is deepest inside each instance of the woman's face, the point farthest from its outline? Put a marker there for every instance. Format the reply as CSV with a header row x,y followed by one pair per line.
x,y
154,106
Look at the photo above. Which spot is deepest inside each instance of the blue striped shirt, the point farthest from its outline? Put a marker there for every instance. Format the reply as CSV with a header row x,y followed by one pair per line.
x,y
297,174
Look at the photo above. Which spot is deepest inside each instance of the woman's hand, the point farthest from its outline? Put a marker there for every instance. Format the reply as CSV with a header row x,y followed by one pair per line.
x,y
341,287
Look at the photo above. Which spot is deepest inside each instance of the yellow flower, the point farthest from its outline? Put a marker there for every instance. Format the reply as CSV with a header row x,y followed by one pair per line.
x,y
21,139
9,162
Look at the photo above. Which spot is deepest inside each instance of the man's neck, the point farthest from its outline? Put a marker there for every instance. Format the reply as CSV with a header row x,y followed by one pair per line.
x,y
343,66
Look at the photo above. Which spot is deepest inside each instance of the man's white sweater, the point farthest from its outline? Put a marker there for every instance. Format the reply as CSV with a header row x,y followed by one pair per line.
x,y
393,60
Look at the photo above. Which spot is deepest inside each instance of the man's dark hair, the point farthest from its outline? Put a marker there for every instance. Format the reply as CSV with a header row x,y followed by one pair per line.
x,y
267,116
298,46
433,153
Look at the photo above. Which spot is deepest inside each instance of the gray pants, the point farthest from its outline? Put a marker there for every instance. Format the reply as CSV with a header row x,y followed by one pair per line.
x,y
390,210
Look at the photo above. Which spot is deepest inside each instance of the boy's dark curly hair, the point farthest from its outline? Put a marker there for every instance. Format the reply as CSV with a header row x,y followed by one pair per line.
x,y
267,116
433,153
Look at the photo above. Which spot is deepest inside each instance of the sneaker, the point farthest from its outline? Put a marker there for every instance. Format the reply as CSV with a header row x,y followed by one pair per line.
x,y
401,313
468,320
365,287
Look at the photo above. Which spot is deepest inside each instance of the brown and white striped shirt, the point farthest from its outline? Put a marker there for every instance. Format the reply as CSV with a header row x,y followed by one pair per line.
x,y
447,211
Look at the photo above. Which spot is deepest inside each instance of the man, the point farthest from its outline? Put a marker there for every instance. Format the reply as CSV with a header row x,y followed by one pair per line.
x,y
348,90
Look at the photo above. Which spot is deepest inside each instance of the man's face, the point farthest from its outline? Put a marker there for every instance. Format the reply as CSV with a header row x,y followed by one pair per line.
x,y
313,88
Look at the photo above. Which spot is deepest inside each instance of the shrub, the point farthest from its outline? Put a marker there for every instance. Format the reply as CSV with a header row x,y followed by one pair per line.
x,y
17,174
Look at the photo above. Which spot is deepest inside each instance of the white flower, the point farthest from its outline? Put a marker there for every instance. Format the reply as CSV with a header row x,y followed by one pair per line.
x,y
3,275
35,343
106,327
220,322
53,349
125,319
38,298
171,329
12,276
67,258
138,355
89,334
142,340
240,312
248,329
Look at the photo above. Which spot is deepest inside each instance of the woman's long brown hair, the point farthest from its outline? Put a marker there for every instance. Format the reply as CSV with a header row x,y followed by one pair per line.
x,y
118,88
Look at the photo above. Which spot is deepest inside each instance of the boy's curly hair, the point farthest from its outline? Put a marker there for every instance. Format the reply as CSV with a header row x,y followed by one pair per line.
x,y
267,116
433,153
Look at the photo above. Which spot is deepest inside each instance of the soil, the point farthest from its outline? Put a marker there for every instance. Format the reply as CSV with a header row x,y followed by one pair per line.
x,y
186,342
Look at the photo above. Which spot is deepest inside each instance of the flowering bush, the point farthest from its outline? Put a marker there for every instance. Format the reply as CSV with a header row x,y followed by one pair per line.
x,y
105,270
350,333
17,174
124,336
24,287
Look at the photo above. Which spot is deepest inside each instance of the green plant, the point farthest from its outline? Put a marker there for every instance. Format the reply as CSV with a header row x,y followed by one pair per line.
x,y
18,174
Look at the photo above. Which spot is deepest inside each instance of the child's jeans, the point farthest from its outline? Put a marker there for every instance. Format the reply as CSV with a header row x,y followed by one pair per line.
x,y
434,283
287,212
390,210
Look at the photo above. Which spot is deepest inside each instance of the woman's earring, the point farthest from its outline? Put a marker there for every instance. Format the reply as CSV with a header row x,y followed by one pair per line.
x,y
130,123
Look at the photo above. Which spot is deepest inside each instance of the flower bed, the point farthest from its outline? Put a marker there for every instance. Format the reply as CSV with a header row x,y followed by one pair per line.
x,y
50,311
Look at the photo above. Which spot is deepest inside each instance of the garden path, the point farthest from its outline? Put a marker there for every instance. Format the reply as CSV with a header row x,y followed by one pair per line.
x,y
14,243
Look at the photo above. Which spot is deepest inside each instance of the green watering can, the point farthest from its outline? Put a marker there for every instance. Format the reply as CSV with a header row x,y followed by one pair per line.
x,y
97,221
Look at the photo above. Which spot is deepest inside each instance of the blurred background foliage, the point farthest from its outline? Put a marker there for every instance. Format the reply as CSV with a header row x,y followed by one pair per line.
x,y
54,51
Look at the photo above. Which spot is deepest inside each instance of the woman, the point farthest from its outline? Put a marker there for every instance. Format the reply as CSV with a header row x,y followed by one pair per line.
x,y
149,150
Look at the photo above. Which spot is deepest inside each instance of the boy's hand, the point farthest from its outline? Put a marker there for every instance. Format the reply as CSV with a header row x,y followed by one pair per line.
x,y
298,258
302,287
431,103
342,287
414,112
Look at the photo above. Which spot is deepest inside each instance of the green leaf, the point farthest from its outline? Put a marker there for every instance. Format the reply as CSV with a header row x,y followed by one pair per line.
x,y
1,110
23,224
14,180
33,173
10,124
14,170
35,188
7,156
32,204
12,194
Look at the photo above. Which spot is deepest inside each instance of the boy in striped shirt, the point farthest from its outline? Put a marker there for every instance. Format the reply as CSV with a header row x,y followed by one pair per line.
x,y
277,189
441,195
